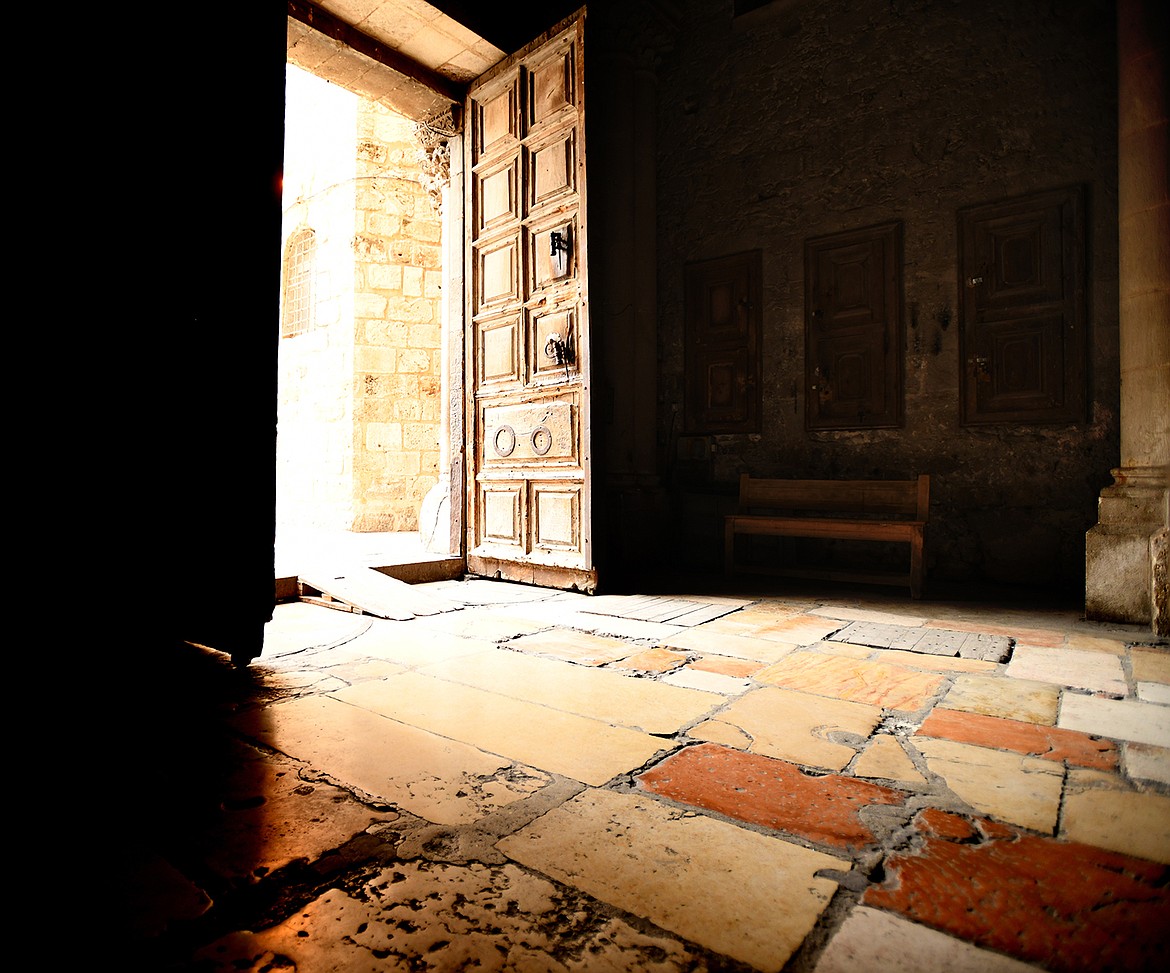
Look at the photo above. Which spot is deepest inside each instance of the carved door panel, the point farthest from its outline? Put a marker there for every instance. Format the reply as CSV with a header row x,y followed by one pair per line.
x,y
853,329
723,313
528,475
1022,330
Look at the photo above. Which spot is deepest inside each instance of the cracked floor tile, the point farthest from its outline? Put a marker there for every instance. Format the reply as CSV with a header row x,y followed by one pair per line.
x,y
685,872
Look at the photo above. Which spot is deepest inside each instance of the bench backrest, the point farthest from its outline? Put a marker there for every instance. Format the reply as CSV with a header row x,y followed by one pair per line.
x,y
878,498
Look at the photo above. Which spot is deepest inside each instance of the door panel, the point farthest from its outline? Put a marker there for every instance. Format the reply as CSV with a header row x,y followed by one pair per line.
x,y
1023,328
853,345
528,347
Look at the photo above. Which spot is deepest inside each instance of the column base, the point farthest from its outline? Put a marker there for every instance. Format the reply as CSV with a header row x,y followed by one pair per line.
x,y
1126,553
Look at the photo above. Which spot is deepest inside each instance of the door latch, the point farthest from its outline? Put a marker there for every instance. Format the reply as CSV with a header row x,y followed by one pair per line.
x,y
558,251
557,350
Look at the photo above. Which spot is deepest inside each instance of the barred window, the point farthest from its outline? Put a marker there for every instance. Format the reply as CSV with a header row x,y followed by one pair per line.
x,y
300,256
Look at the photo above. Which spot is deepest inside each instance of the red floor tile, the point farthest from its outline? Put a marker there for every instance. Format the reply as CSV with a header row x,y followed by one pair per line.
x,y
769,792
1033,739
1068,907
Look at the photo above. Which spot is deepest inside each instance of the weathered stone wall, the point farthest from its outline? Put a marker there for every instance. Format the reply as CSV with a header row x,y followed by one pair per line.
x,y
359,392
803,119
397,324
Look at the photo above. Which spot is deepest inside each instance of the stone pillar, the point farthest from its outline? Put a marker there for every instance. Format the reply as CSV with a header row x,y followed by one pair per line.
x,y
1126,553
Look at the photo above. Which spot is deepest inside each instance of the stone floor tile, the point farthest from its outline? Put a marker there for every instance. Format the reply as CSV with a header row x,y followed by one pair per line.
x,y
652,706
1014,788
798,629
715,731
1150,665
848,614
652,660
736,668
875,683
872,940
1021,634
704,639
770,793
708,682
1117,719
1154,692
488,626
297,626
583,648
1010,699
1067,907
884,757
847,649
939,663
426,915
1075,640
414,643
1032,739
796,726
1098,672
705,880
1145,762
576,617
513,728
1102,811
438,779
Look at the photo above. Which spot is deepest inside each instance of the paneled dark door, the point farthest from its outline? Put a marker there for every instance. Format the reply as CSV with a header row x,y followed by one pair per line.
x,y
1023,331
853,329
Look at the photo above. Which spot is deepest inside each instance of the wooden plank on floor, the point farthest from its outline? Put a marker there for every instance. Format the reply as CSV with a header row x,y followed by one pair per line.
x,y
376,593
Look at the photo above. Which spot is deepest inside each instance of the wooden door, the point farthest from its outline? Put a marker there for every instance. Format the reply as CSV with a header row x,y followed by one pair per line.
x,y
853,329
1023,329
528,461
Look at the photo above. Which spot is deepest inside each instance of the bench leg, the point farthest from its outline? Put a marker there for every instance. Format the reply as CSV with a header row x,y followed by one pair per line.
x,y
916,565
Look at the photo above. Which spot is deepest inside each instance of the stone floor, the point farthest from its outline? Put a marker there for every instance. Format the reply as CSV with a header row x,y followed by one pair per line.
x,y
525,779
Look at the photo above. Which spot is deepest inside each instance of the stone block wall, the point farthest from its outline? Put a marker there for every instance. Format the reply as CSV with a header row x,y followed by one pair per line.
x,y
397,326
803,119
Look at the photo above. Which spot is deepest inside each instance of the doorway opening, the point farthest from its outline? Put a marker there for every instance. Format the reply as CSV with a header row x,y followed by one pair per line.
x,y
361,428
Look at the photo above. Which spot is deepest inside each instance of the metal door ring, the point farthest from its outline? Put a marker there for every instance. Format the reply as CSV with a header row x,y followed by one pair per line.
x,y
505,440
542,440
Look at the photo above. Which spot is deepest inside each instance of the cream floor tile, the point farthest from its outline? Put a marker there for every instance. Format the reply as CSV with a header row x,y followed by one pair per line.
x,y
1154,692
846,613
1116,719
872,940
572,646
939,663
703,639
297,626
857,680
438,779
412,643
1150,665
685,872
794,726
1079,668
435,916
1012,788
572,617
1146,762
709,682
1009,699
885,758
551,740
600,694
1095,643
1102,811
486,625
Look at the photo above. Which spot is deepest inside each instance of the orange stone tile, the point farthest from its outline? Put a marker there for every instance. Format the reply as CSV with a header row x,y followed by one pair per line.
x,y
876,683
652,660
772,793
736,668
1067,907
1033,739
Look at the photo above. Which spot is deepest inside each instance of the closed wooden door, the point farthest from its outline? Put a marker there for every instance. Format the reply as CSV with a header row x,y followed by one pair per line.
x,y
1023,329
528,461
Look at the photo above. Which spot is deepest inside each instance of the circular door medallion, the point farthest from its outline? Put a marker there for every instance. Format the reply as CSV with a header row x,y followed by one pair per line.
x,y
542,440
505,441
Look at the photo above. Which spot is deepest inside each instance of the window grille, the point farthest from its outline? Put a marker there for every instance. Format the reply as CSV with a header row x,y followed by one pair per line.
x,y
300,255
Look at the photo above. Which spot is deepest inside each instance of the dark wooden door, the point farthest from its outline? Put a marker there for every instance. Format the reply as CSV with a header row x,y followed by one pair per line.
x,y
528,448
853,329
1022,329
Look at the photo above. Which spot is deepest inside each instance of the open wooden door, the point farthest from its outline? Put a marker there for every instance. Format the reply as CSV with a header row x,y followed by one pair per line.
x,y
527,354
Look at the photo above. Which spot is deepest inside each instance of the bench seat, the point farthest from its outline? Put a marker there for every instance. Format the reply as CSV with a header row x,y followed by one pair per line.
x,y
848,510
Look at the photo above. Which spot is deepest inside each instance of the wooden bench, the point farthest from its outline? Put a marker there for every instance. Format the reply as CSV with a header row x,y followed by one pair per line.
x,y
847,510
